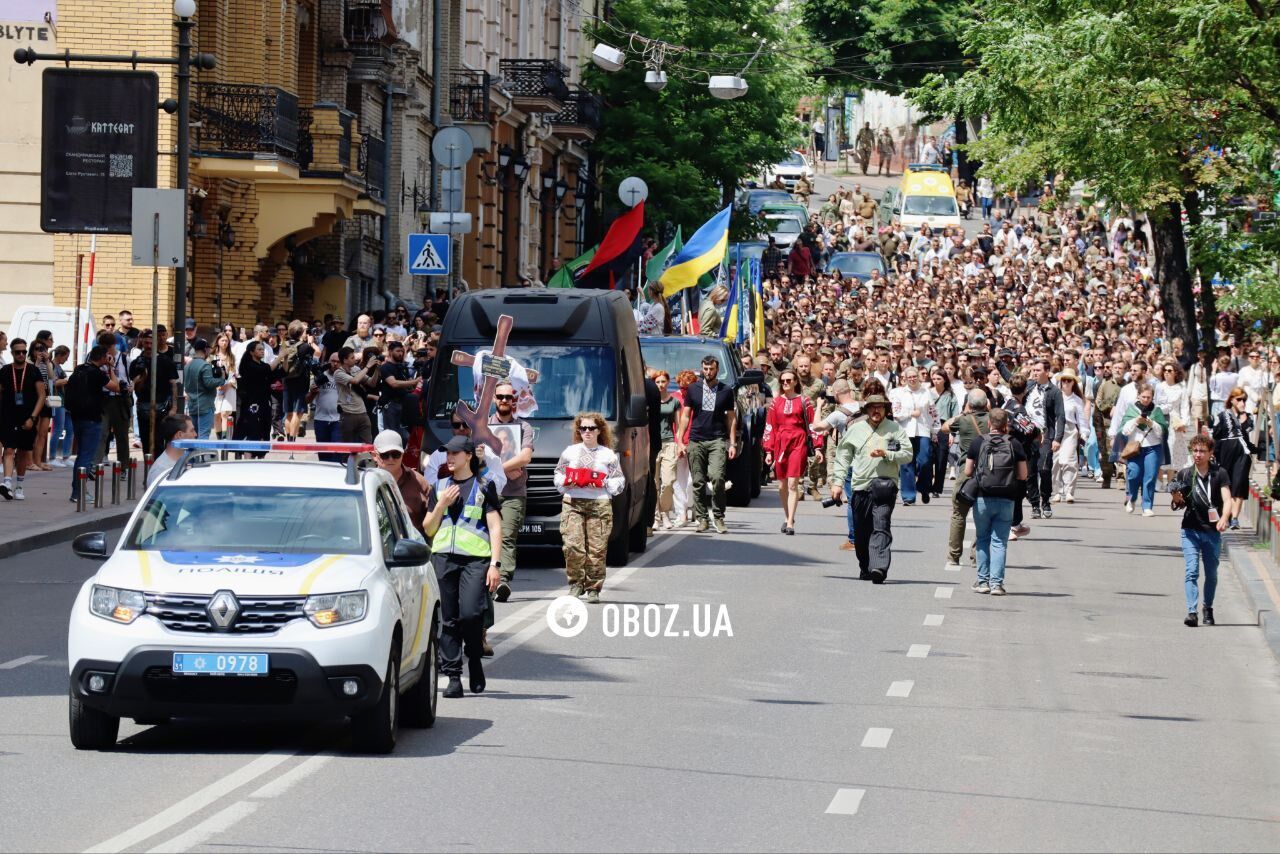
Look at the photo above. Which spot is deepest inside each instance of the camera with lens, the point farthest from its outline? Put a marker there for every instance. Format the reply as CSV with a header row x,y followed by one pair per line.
x,y
219,372
894,445
832,502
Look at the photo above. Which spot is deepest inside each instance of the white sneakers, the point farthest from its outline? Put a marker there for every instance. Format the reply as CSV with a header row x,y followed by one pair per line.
x,y
1128,506
17,494
1148,512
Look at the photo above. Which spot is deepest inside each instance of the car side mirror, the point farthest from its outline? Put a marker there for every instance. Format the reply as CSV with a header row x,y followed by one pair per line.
x,y
409,553
897,211
752,377
637,411
92,545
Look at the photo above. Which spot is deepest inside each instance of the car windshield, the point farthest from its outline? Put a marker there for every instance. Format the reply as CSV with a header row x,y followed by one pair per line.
x,y
784,225
760,198
854,264
793,160
742,251
251,519
570,380
686,356
929,206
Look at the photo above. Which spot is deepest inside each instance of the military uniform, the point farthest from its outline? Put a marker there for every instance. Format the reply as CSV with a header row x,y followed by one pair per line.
x,y
588,478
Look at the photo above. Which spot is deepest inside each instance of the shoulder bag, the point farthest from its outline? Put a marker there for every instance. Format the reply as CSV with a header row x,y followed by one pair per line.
x,y
1133,447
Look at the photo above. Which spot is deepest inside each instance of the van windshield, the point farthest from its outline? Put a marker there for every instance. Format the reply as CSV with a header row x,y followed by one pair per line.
x,y
570,380
674,357
929,206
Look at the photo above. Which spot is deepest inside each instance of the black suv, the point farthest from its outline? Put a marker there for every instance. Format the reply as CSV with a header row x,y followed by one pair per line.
x,y
678,353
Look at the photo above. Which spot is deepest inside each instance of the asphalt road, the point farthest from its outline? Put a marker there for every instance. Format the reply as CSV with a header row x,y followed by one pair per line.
x,y
1078,713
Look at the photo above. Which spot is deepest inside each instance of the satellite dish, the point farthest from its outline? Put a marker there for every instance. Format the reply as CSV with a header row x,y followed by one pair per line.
x,y
452,147
633,191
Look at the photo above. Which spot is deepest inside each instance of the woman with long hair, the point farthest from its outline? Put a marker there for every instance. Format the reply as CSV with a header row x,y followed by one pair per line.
x,y
945,407
1144,423
684,479
1231,430
786,443
588,476
40,450
254,391
1174,400
224,401
1066,463
669,455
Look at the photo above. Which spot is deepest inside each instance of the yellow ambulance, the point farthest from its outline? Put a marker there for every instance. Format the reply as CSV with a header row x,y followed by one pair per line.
x,y
926,195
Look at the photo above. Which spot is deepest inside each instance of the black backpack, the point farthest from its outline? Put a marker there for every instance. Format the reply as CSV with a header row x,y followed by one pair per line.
x,y
997,469
75,395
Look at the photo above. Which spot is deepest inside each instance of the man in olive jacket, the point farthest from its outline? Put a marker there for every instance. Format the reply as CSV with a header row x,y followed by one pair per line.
x,y
869,454
201,384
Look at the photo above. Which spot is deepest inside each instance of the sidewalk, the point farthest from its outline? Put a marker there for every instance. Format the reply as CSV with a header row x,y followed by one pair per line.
x,y
47,517
1252,554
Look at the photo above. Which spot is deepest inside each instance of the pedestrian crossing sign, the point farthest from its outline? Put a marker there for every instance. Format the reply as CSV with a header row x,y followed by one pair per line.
x,y
428,254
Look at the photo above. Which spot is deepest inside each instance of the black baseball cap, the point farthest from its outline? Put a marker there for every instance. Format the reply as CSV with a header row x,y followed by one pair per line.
x,y
460,443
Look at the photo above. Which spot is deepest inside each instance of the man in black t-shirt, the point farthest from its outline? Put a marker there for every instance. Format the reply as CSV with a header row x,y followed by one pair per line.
x,y
140,378
1203,489
713,424
397,381
21,402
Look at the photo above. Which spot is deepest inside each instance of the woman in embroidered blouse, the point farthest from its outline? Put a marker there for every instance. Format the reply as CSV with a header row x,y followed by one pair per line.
x,y
588,475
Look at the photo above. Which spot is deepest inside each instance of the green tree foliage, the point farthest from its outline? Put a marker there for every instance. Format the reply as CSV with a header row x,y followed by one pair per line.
x,y
1135,96
692,149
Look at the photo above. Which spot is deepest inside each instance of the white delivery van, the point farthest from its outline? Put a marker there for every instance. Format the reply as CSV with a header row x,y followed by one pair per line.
x,y
30,319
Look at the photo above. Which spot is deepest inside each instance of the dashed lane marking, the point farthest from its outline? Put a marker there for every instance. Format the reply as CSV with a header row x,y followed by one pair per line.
x,y
933,619
846,802
18,662
943,593
901,689
919,650
877,737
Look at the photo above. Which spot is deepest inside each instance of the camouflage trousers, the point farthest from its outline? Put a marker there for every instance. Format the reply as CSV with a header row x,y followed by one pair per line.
x,y
585,525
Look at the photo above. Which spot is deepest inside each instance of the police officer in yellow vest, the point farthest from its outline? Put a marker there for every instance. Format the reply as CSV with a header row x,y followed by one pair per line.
x,y
464,522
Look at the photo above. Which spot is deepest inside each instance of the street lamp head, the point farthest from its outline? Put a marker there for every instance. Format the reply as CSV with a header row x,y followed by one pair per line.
x,y
504,156
562,187
548,180
184,8
519,166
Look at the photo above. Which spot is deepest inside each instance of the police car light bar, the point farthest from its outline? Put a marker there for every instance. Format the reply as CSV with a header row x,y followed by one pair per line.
x,y
248,446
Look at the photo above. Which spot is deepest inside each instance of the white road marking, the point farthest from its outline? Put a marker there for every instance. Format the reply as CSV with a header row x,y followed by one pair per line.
x,y
901,689
293,776
877,737
952,567
943,593
18,662
202,832
933,619
919,650
846,802
192,804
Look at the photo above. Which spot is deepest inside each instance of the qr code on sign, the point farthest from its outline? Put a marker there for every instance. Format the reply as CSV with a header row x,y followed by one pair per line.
x,y
121,166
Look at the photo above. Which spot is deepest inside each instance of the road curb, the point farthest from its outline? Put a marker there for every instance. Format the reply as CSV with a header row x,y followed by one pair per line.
x,y
64,532
1239,555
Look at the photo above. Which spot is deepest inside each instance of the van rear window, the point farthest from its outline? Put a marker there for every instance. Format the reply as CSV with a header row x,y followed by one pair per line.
x,y
570,380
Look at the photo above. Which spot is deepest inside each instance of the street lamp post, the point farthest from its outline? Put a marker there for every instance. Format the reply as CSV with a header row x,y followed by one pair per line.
x,y
185,10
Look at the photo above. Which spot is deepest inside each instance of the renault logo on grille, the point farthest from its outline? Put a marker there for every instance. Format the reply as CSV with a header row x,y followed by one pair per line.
x,y
223,608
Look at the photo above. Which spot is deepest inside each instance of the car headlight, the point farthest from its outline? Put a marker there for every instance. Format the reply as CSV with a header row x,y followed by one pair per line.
x,y
120,606
335,609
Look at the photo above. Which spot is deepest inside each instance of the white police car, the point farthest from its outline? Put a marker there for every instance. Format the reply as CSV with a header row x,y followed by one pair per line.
x,y
258,589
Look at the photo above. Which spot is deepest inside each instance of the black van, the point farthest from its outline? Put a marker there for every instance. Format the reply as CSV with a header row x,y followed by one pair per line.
x,y
584,346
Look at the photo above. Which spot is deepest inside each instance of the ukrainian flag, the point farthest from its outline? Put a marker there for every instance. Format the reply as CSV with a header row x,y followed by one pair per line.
x,y
703,253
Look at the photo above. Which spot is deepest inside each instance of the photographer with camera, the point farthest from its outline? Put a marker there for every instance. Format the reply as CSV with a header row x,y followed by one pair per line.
x,y
846,410
353,416
1203,491
298,360
201,381
324,394
397,381
868,456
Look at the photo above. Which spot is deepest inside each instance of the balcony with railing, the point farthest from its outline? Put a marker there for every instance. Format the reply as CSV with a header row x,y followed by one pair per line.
x,y
373,165
536,85
469,96
580,118
245,122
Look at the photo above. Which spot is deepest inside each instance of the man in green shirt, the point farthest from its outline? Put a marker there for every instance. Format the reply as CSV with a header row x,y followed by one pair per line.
x,y
869,454
1104,401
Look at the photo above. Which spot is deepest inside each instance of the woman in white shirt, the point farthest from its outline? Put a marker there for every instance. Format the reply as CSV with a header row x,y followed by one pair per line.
x,y
1143,422
913,410
1174,399
588,475
1066,465
1220,386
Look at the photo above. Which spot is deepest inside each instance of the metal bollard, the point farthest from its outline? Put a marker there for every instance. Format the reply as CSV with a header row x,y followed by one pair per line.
x,y
115,481
146,469
99,471
82,475
131,491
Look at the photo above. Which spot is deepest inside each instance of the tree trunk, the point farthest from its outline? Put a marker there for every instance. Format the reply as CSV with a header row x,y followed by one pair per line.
x,y
1172,272
962,159
1208,302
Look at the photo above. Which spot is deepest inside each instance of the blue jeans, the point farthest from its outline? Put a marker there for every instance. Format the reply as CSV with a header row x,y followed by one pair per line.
x,y
922,451
1091,455
203,422
1140,475
992,518
986,208
61,435
328,431
1201,547
848,504
89,434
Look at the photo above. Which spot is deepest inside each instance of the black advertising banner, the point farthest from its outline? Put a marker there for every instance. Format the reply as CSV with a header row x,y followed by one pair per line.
x,y
99,143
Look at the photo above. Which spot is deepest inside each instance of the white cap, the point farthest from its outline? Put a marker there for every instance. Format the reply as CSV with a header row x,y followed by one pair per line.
x,y
388,440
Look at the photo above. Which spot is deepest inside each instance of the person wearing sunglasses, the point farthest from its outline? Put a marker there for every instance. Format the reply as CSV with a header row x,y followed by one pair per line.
x,y
413,487
22,396
517,453
588,476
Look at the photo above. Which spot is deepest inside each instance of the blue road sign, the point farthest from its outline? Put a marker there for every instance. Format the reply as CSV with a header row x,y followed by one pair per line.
x,y
428,255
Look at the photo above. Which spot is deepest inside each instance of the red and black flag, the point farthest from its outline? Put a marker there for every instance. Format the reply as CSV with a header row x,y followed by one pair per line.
x,y
620,247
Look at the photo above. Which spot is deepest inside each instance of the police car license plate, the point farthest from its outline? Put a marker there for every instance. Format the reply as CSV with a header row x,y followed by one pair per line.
x,y
531,528
220,664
